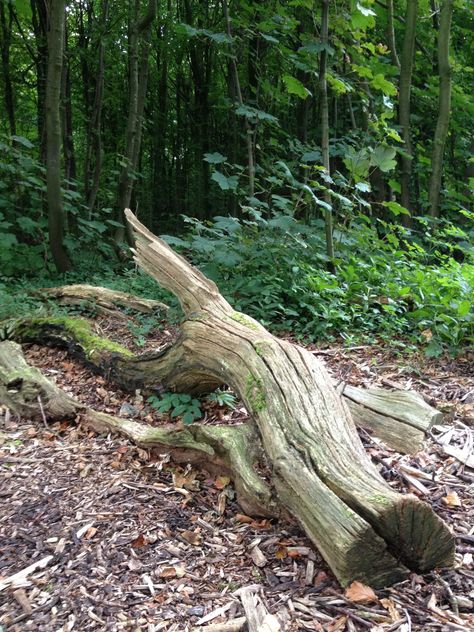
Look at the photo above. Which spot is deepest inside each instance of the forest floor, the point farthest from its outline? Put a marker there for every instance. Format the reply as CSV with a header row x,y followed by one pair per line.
x,y
129,541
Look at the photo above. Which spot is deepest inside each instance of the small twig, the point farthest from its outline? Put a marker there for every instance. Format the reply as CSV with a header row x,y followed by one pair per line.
x,y
452,598
363,622
45,421
408,618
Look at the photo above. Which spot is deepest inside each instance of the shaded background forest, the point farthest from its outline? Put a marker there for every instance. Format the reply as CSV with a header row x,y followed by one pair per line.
x,y
313,157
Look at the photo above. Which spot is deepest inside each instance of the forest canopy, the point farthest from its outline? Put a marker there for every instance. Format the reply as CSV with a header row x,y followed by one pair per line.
x,y
313,158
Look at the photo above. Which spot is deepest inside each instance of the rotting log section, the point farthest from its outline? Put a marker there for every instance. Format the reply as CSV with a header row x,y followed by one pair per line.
x,y
320,471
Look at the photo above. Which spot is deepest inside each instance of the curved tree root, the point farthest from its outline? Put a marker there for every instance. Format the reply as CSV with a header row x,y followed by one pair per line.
x,y
228,450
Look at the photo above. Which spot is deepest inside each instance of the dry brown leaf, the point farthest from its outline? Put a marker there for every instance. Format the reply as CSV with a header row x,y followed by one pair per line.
x,y
320,578
427,334
170,572
360,593
90,533
185,480
452,500
243,518
392,609
192,537
281,553
139,542
221,482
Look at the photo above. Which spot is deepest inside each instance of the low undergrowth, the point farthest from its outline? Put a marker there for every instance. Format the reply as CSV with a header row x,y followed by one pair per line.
x,y
406,287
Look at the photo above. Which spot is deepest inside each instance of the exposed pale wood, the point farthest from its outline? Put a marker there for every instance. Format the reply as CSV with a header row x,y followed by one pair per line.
x,y
401,437
20,577
373,409
26,392
236,625
405,406
102,297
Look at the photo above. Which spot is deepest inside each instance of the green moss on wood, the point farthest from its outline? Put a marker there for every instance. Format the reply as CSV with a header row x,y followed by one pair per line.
x,y
255,394
245,320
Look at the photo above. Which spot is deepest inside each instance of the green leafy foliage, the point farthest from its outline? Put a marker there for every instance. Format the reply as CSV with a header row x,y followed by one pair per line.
x,y
401,286
177,405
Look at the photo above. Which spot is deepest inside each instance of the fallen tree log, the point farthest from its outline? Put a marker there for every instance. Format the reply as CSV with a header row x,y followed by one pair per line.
x,y
237,449
105,299
319,469
25,390
402,419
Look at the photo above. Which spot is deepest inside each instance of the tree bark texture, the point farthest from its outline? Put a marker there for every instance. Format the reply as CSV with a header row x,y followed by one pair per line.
x,y
406,71
53,135
444,107
319,469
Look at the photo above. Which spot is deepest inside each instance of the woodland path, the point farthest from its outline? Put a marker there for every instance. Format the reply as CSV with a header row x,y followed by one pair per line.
x,y
142,545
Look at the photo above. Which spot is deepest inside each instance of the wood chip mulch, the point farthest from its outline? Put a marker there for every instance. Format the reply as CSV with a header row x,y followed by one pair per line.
x,y
123,540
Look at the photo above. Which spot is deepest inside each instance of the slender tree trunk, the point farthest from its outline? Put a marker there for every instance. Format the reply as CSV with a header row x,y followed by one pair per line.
x,y
39,18
238,92
53,135
328,217
93,166
67,126
5,41
444,106
391,34
139,44
406,71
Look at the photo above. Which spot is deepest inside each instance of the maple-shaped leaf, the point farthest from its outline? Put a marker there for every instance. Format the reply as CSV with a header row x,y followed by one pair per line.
x,y
360,593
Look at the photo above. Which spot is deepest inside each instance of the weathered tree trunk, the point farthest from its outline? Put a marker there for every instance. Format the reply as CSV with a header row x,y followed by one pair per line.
x,y
444,106
406,71
392,43
53,135
26,392
238,93
320,472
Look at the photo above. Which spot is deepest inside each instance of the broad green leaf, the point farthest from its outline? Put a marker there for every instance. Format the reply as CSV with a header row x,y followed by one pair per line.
x,y
363,186
294,86
215,159
383,158
379,82
311,156
363,71
396,208
221,180
464,308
